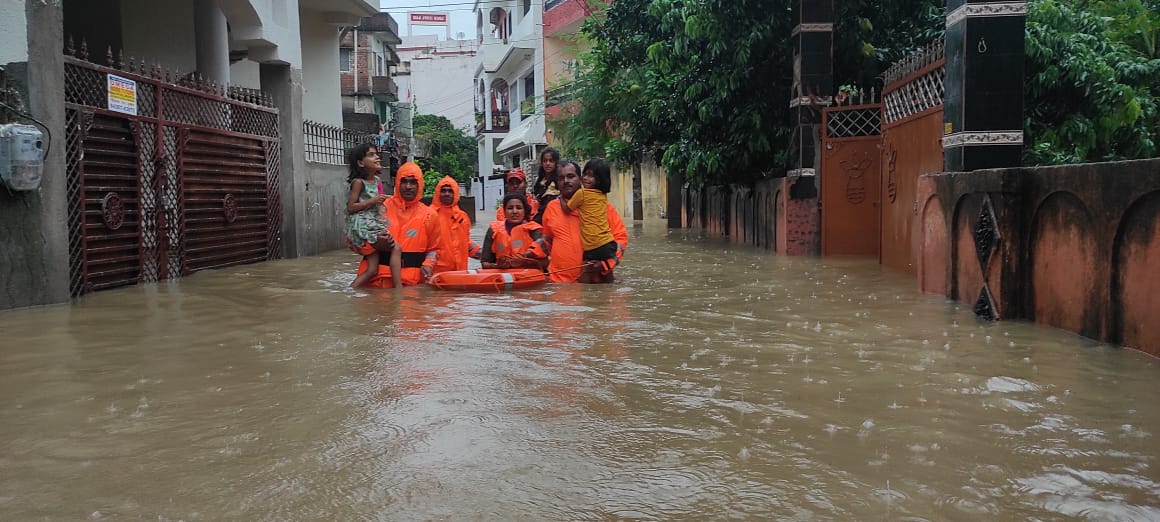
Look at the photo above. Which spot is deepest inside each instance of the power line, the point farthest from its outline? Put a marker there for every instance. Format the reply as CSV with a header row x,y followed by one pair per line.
x,y
452,4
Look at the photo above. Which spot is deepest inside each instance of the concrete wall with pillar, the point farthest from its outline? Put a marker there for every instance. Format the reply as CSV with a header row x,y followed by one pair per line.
x,y
320,79
813,87
212,41
983,109
34,256
170,44
284,84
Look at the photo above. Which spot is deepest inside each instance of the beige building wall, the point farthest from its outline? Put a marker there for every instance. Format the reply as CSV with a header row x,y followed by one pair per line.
x,y
654,191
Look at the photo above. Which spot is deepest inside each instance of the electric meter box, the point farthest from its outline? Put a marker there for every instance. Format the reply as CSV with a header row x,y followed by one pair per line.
x,y
21,156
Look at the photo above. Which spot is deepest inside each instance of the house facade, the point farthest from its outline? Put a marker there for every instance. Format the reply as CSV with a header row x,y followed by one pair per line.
x,y
439,76
562,47
367,59
509,82
176,138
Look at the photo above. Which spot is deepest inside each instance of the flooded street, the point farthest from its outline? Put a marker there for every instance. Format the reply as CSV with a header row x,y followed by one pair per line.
x,y
711,382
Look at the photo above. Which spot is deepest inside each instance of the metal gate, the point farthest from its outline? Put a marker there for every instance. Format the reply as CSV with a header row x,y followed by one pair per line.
x,y
166,176
911,146
850,180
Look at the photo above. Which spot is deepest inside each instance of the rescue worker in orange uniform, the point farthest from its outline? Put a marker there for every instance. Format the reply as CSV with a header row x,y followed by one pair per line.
x,y
514,242
562,231
455,228
516,182
414,226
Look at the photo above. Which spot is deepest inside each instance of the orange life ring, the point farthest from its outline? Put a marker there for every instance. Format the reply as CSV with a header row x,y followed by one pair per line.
x,y
488,279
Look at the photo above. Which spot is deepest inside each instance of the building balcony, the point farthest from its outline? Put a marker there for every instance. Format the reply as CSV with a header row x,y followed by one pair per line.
x,y
503,59
384,86
383,24
500,121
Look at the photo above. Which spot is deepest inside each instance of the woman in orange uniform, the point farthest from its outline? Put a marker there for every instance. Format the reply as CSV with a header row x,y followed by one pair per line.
x,y
514,242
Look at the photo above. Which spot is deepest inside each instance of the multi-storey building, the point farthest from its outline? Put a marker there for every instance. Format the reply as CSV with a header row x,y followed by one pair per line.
x,y
366,59
438,76
509,83
562,21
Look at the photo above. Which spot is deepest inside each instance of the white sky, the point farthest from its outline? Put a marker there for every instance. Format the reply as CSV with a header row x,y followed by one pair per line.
x,y
462,19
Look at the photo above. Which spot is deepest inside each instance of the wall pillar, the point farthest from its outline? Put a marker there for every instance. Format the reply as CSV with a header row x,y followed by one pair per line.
x,y
813,87
211,41
674,195
983,109
284,84
34,254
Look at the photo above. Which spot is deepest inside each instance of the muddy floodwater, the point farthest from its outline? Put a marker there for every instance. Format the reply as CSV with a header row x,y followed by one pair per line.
x,y
711,382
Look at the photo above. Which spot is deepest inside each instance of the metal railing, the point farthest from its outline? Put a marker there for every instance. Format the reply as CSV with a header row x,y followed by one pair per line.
x,y
324,143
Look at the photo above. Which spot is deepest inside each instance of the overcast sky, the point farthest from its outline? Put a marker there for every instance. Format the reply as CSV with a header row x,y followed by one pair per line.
x,y
460,10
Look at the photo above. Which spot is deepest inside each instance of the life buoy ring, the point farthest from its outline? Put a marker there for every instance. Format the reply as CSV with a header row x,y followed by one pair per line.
x,y
488,279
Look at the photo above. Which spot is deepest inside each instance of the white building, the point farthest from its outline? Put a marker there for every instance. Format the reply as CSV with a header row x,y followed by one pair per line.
x,y
509,84
438,75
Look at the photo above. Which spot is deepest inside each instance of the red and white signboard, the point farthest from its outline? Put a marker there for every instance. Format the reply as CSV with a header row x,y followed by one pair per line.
x,y
429,18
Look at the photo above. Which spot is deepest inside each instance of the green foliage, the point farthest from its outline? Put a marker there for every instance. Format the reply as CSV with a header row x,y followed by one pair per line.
x,y
431,177
452,152
704,85
869,36
1092,87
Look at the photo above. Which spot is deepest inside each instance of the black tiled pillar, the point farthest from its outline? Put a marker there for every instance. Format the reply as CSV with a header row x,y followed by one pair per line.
x,y
983,108
813,86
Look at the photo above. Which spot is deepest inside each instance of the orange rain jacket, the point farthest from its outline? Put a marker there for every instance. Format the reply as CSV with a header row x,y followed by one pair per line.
x,y
416,230
455,228
562,232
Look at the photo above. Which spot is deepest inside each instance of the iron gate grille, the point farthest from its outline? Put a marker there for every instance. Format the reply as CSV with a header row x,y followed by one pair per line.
x,y
190,182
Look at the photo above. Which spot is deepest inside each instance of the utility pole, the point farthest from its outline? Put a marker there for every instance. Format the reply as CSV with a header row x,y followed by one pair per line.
x,y
411,152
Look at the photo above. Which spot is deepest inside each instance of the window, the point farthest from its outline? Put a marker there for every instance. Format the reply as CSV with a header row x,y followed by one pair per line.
x,y
530,88
527,6
344,60
379,65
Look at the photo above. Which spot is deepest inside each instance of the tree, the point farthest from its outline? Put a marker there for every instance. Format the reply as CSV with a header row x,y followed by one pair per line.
x,y
1092,86
703,85
452,152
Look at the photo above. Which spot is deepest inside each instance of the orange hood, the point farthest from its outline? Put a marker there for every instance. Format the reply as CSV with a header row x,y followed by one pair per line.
x,y
447,180
408,170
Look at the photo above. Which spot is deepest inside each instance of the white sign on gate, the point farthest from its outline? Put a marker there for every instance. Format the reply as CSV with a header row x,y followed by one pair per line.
x,y
122,95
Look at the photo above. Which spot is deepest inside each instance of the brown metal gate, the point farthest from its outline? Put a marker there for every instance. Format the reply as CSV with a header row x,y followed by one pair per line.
x,y
187,183
850,180
911,146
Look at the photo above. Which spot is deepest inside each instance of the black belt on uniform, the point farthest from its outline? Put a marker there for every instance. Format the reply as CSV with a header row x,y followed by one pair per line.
x,y
414,259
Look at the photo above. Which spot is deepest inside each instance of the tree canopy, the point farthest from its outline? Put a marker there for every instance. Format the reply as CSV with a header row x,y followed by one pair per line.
x,y
453,153
1092,86
703,86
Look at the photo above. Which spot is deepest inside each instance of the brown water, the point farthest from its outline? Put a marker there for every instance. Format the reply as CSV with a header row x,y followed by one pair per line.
x,y
712,382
